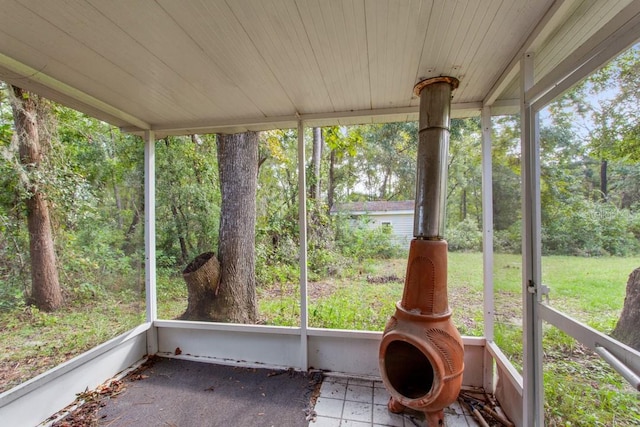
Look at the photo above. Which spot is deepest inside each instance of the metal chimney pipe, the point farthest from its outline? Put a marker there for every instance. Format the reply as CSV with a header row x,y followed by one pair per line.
x,y
433,152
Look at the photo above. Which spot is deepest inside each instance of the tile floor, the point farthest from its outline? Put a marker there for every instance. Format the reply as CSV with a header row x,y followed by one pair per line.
x,y
348,402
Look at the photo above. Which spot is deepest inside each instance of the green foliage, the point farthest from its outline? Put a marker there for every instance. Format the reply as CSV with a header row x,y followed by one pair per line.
x,y
283,311
385,161
508,241
188,197
357,240
587,393
357,306
47,339
589,228
464,172
345,141
465,236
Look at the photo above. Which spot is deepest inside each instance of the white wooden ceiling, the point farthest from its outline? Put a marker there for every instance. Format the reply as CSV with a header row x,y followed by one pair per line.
x,y
213,65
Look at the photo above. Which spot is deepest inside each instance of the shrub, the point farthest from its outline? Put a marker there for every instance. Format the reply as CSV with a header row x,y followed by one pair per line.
x,y
589,228
509,240
356,239
465,236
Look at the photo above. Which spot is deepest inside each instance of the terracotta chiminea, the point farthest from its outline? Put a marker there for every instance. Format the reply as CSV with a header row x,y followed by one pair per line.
x,y
421,353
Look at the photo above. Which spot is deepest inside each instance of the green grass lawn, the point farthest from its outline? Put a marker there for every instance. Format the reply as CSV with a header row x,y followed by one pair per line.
x,y
580,389
32,341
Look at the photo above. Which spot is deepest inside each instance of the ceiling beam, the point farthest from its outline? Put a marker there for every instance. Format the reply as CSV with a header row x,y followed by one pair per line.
x,y
614,37
264,123
551,19
29,78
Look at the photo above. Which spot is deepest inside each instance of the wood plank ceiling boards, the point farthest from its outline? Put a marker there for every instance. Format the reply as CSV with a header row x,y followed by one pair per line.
x,y
228,66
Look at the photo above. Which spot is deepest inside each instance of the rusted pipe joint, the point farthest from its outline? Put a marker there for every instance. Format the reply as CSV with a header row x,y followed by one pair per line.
x,y
417,89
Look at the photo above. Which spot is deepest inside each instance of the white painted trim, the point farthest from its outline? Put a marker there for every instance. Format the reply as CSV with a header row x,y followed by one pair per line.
x,y
33,75
502,361
33,401
150,237
617,35
591,337
226,327
509,385
150,224
347,351
239,346
533,396
487,224
487,244
290,121
302,221
345,333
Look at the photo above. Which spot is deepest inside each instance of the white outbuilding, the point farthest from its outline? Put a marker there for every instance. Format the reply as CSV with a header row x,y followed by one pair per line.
x,y
397,215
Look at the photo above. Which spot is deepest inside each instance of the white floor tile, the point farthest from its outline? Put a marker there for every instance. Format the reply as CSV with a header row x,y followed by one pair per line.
x,y
327,407
333,390
359,393
341,380
325,422
357,411
382,416
380,396
359,403
358,381
350,423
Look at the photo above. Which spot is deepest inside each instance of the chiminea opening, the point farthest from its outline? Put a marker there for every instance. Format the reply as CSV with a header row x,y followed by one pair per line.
x,y
408,369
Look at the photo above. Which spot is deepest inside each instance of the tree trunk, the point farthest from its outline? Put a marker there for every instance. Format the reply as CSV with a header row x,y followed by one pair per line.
x,y
316,158
184,253
463,205
202,276
627,330
604,192
238,167
45,287
332,179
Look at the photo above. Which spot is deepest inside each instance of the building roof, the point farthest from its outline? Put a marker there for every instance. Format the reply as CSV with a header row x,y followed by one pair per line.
x,y
202,66
407,206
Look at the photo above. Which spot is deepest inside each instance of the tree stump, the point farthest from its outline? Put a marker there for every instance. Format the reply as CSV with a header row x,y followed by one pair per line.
x,y
202,276
627,330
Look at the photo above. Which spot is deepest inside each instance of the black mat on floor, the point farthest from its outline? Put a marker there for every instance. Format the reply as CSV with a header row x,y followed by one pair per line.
x,y
179,393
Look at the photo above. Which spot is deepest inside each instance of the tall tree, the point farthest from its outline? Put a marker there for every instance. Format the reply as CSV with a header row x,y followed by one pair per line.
x,y
188,196
387,160
238,167
343,144
316,158
30,115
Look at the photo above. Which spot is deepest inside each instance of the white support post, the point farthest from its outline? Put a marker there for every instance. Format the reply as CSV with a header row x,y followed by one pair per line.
x,y
150,238
533,396
302,221
487,246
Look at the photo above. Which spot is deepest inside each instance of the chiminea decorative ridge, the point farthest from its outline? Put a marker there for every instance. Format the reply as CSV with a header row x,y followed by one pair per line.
x,y
421,354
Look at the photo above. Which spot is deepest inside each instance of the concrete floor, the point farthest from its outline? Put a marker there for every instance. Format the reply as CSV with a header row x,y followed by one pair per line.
x,y
171,392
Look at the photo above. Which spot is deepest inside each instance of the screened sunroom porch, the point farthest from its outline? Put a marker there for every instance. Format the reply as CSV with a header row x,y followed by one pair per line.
x,y
163,68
